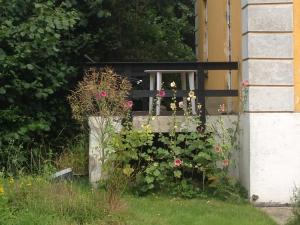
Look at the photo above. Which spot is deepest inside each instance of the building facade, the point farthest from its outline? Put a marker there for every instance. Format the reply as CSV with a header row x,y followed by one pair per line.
x,y
264,37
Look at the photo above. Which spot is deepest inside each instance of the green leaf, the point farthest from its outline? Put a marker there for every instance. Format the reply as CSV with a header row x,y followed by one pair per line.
x,y
149,179
30,66
100,14
204,155
2,54
2,91
156,173
177,173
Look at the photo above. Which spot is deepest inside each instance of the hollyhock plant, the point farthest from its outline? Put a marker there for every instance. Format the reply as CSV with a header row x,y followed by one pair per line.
x,y
177,162
181,105
103,93
173,106
173,84
225,162
98,96
128,104
245,83
221,108
218,149
192,94
161,93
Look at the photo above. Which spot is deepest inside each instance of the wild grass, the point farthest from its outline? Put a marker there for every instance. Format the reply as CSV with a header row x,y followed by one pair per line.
x,y
38,201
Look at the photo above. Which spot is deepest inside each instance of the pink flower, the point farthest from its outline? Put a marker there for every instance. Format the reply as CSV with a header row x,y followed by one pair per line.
x,y
218,149
245,83
162,93
128,104
98,96
221,108
225,162
103,93
177,162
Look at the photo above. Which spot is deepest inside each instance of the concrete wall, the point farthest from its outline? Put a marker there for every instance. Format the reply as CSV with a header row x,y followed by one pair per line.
x,y
160,124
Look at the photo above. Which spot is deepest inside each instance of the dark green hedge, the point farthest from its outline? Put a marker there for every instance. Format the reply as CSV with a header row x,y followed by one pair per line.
x,y
42,48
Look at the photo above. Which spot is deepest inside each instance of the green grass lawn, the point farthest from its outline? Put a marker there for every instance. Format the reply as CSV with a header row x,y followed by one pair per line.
x,y
170,211
38,202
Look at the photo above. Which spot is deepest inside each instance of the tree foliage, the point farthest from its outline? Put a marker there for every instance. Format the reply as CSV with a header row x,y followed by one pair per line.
x,y
43,44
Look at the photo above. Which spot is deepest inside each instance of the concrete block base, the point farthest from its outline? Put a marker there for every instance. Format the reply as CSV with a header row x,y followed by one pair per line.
x,y
270,156
160,124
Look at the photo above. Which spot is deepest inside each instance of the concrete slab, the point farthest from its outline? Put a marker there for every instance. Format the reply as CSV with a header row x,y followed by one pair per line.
x,y
281,215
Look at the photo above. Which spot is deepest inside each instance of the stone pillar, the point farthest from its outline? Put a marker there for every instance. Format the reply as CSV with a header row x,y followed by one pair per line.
x,y
270,155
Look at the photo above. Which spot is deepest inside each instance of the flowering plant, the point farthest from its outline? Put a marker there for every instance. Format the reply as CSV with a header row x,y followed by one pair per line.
x,y
244,94
186,163
101,93
102,97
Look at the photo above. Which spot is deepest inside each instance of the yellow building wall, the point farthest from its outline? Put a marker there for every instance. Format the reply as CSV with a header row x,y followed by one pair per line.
x,y
213,44
297,54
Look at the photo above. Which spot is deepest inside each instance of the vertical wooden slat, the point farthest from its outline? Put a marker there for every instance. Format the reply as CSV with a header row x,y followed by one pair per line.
x,y
200,29
236,43
223,43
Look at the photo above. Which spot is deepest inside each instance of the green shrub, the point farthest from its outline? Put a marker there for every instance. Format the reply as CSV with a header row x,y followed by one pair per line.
x,y
43,45
33,74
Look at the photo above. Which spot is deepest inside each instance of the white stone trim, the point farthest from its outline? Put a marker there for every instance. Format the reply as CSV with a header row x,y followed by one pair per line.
x,y
267,46
271,18
266,98
268,72
263,2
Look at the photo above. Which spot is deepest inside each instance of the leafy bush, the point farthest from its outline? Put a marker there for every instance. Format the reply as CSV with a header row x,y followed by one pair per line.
x,y
43,45
33,73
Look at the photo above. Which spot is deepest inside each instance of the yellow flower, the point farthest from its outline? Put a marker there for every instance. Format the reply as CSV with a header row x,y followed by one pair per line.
x,y
192,94
147,128
173,106
1,190
128,170
173,84
11,180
